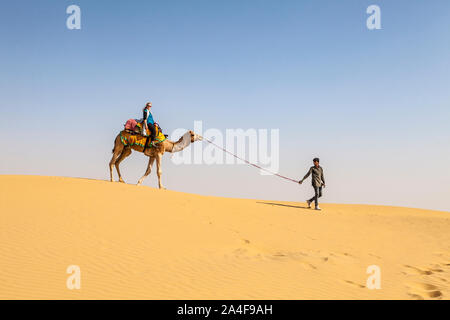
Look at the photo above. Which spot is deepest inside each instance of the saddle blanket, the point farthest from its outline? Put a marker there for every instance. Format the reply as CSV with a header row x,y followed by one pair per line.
x,y
136,140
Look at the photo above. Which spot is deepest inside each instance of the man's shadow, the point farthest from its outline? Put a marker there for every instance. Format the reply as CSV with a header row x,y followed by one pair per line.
x,y
282,205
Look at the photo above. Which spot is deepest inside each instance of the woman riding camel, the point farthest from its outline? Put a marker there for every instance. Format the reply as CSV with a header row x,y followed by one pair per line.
x,y
148,122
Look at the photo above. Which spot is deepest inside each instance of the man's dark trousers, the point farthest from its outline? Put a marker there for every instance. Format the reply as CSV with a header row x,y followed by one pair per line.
x,y
317,195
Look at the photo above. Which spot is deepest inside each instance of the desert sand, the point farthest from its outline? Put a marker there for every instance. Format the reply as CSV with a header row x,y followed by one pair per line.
x,y
187,246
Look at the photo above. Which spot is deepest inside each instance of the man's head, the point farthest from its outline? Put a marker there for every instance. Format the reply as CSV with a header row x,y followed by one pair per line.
x,y
316,162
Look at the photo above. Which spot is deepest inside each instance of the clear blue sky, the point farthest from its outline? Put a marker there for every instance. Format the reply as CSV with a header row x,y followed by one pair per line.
x,y
374,105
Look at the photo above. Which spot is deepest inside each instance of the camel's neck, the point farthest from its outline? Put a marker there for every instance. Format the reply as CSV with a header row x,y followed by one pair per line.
x,y
169,145
182,143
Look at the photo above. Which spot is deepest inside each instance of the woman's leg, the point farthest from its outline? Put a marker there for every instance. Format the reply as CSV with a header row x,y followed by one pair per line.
x,y
152,129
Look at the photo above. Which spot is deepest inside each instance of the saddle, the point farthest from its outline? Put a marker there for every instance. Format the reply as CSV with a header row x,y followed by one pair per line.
x,y
133,126
132,135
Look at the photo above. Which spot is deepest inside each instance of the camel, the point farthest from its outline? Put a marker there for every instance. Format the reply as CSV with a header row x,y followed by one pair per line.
x,y
120,152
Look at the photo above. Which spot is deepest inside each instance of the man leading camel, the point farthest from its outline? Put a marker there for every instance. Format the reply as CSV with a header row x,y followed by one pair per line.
x,y
318,181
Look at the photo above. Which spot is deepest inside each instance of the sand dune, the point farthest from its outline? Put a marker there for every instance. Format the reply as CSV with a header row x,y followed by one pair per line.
x,y
142,243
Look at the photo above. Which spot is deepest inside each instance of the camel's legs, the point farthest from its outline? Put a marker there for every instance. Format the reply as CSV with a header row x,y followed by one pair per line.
x,y
125,153
158,170
147,172
118,149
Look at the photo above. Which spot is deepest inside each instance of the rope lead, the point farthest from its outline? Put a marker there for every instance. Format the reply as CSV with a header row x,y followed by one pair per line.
x,y
248,162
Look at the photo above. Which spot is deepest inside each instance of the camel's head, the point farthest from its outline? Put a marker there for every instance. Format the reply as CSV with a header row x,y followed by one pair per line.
x,y
194,136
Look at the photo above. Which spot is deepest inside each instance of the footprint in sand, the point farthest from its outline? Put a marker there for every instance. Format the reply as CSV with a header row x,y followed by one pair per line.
x,y
302,258
445,264
420,271
355,284
416,296
445,259
421,290
424,289
341,255
308,266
